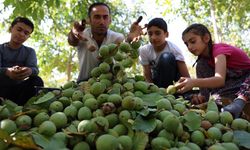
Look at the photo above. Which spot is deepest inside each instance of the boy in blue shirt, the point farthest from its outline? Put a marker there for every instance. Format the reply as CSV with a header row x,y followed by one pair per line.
x,y
18,64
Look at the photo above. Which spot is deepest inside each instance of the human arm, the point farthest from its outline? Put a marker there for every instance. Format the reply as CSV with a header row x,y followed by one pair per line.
x,y
135,31
28,61
147,73
218,80
180,60
2,70
182,67
18,73
146,61
6,71
29,68
76,33
31,64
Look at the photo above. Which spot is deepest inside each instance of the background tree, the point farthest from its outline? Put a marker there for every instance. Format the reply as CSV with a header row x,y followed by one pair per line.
x,y
53,19
229,20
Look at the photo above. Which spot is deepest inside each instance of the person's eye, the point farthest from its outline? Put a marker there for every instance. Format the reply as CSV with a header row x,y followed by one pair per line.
x,y
157,33
105,17
27,33
18,29
97,17
192,41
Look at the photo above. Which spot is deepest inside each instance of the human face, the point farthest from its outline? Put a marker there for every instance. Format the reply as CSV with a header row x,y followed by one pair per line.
x,y
196,44
100,20
20,32
157,36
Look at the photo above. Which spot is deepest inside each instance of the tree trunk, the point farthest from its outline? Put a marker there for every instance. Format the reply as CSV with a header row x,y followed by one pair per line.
x,y
216,32
69,67
69,64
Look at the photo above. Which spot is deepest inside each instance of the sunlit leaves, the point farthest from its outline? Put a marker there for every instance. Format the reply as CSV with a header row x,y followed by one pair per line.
x,y
53,20
232,28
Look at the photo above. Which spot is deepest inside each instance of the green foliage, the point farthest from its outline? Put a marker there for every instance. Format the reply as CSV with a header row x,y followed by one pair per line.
x,y
53,20
240,137
233,28
192,120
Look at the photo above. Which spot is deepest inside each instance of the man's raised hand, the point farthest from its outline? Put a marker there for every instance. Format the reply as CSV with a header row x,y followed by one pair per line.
x,y
78,29
136,31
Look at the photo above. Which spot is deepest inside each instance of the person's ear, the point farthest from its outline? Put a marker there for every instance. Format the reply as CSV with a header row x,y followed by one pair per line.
x,y
166,34
206,38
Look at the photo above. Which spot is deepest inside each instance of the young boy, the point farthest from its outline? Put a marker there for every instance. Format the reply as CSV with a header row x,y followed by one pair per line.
x,y
162,61
18,64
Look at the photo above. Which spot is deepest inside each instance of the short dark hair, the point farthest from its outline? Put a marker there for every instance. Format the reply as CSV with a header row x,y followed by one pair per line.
x,y
158,22
23,20
97,4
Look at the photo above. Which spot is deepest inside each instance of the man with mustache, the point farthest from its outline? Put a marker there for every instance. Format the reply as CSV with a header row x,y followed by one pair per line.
x,y
89,40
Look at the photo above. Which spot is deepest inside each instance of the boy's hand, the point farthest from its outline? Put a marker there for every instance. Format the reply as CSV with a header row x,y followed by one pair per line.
x,y
24,73
18,73
12,72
